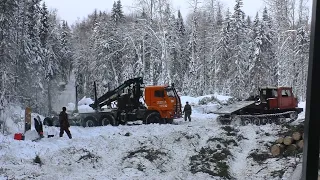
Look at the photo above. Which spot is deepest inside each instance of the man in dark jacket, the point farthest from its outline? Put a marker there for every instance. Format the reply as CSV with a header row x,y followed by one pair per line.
x,y
38,126
187,111
64,123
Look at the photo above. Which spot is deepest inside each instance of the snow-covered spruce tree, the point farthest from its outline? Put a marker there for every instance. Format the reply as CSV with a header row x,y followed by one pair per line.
x,y
167,44
102,69
301,62
284,32
45,58
182,59
269,50
191,79
117,15
66,52
36,57
205,46
51,54
302,51
136,51
115,47
260,62
239,48
7,10
208,32
217,48
224,54
248,22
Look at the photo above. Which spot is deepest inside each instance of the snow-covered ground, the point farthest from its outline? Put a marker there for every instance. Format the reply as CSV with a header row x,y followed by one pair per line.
x,y
200,149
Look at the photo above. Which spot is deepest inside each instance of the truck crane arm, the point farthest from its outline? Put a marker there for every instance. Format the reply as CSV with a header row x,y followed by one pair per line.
x,y
112,95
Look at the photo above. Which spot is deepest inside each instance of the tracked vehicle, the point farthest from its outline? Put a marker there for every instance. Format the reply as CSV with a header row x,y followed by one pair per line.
x,y
272,105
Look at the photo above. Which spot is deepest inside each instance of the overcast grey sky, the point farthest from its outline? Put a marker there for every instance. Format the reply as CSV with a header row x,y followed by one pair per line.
x,y
71,10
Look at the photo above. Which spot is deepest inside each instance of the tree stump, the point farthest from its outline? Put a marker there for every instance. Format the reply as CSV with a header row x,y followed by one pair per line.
x,y
287,140
277,149
296,136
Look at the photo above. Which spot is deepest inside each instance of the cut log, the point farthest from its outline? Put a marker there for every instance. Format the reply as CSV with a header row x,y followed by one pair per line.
x,y
291,147
287,140
280,140
277,149
296,136
300,144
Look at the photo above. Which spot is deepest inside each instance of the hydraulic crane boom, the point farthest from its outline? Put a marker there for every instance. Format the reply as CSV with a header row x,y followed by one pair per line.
x,y
112,95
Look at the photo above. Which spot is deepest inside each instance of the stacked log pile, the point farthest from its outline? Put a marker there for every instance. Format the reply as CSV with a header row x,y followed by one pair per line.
x,y
288,144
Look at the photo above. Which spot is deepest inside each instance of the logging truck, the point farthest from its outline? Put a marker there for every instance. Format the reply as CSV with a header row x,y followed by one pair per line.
x,y
161,105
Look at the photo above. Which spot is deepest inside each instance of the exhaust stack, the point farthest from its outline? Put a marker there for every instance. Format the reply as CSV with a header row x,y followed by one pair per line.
x,y
76,104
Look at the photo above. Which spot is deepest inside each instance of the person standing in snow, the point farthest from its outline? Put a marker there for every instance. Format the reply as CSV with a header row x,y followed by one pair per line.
x,y
38,126
64,123
187,111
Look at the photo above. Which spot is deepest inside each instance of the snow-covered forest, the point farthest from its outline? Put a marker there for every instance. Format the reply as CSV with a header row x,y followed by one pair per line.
x,y
215,49
35,54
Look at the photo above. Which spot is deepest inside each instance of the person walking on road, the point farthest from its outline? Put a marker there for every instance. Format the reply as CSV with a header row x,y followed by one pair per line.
x,y
187,111
64,123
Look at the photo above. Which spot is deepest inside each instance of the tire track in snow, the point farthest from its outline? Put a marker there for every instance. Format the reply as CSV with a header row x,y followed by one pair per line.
x,y
239,166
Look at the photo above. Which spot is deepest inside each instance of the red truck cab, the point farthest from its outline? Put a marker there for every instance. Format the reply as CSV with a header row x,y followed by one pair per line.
x,y
278,97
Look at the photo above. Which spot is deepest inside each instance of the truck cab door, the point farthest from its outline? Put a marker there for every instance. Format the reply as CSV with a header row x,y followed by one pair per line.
x,y
286,99
159,99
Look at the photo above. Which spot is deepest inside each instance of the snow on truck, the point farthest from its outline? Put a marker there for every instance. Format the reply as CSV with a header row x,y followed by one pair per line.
x,y
161,104
272,105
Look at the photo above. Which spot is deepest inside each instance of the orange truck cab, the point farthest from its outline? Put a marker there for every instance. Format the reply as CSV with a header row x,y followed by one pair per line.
x,y
164,100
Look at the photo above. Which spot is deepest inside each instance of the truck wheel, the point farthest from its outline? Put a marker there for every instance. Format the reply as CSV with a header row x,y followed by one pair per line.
x,y
264,121
281,120
56,122
256,121
246,121
48,121
106,120
169,121
153,117
89,122
293,115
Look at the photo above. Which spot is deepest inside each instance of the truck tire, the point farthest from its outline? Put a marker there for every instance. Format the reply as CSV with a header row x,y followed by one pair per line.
x,y
89,122
169,121
153,117
293,115
107,120
48,121
55,121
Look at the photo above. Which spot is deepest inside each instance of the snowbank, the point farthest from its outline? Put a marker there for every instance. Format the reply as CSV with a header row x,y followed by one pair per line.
x,y
83,106
85,101
13,117
301,116
205,104
213,97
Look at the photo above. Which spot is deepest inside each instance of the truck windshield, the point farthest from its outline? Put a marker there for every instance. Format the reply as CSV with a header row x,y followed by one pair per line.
x,y
170,92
